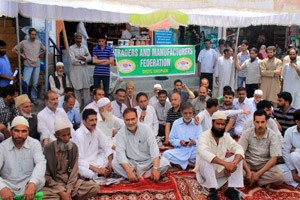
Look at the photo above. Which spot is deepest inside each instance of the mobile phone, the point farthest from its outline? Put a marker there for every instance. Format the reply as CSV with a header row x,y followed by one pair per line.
x,y
187,142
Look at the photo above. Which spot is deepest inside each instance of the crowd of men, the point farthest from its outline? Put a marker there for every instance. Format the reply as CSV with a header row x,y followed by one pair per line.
x,y
80,135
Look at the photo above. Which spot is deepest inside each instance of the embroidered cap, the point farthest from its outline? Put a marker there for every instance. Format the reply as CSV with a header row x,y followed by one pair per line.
x,y
19,100
103,102
219,115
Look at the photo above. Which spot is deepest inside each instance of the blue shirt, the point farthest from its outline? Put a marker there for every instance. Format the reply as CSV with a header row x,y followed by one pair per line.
x,y
5,70
73,115
106,53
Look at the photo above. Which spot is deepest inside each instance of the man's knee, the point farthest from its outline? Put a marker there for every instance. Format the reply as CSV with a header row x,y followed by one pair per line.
x,y
295,157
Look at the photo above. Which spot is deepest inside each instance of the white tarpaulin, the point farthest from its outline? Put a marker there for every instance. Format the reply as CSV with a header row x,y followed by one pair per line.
x,y
229,13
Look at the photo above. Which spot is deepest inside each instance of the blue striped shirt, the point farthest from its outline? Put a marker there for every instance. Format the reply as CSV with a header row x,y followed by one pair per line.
x,y
106,53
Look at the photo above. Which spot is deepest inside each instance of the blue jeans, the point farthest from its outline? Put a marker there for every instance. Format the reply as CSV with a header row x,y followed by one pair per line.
x,y
32,73
240,81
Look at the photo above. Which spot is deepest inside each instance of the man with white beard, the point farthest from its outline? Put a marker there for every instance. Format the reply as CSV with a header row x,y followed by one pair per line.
x,y
59,80
23,106
106,121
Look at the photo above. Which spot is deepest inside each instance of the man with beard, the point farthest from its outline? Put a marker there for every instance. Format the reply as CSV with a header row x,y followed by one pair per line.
x,y
183,90
199,103
267,107
224,71
47,116
22,163
95,153
146,113
72,113
213,169
107,122
79,74
62,180
291,77
137,153
183,137
252,67
283,114
161,108
270,70
262,148
257,97
59,80
242,102
130,98
118,104
23,106
6,75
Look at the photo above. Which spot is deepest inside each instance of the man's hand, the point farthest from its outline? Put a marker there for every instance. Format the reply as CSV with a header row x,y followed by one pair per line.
x,y
192,142
248,177
292,149
217,80
245,111
114,133
277,72
103,171
231,167
255,176
132,177
143,115
155,175
65,196
197,122
183,143
45,142
29,191
227,173
6,194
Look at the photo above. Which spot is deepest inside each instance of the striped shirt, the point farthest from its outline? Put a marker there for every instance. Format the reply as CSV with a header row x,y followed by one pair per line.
x,y
106,53
173,115
286,119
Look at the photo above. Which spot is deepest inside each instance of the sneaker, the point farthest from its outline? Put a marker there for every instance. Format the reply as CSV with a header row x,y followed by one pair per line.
x,y
213,194
232,194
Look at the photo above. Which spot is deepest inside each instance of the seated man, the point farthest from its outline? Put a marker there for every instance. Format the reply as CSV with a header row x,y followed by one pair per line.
x,y
146,113
22,163
68,91
62,180
183,137
59,80
262,148
107,122
47,116
291,153
212,167
118,104
137,152
72,113
95,153
98,93
23,105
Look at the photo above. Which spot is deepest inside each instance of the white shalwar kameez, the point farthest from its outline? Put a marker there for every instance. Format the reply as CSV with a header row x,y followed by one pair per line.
x,y
224,70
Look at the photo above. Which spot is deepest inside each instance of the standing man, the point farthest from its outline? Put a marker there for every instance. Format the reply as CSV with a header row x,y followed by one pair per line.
x,y
270,69
62,180
23,106
6,74
118,104
251,67
291,77
212,163
241,58
199,103
31,51
224,71
22,163
137,153
79,74
206,61
262,148
103,57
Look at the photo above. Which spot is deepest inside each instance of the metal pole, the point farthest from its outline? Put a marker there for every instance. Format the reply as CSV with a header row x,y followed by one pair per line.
x,y
19,53
46,54
237,38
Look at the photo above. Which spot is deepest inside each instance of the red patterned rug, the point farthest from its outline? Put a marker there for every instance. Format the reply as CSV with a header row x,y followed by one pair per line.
x,y
182,185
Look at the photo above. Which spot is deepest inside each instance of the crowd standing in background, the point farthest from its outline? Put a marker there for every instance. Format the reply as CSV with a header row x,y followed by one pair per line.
x,y
248,105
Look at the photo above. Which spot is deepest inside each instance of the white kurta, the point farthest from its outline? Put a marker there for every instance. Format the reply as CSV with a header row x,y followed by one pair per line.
x,y
150,118
224,70
291,83
94,149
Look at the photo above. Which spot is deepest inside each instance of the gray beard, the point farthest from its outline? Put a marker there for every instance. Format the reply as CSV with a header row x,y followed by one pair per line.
x,y
26,115
64,146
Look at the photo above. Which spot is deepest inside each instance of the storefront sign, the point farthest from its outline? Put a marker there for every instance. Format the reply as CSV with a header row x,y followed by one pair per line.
x,y
163,37
142,61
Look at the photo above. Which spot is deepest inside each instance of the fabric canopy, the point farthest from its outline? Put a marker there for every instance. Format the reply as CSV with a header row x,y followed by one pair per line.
x,y
229,13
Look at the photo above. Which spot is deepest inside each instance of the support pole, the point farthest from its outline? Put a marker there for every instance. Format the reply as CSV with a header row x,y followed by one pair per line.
x,y
19,53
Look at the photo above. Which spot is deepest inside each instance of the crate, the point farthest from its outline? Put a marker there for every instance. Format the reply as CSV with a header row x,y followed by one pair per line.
x,y
37,196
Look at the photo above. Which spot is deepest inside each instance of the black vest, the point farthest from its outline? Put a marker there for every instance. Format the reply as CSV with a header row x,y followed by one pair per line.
x,y
57,83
